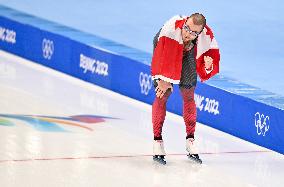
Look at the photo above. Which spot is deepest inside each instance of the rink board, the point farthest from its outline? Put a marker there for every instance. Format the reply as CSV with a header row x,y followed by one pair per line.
x,y
226,105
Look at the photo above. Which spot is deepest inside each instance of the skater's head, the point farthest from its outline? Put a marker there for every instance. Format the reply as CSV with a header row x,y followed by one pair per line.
x,y
193,27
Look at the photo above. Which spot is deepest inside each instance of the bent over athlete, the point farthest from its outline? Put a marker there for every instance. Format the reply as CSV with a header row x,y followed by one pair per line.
x,y
174,62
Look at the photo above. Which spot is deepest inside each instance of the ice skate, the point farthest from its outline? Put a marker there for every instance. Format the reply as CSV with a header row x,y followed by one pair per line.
x,y
159,152
192,150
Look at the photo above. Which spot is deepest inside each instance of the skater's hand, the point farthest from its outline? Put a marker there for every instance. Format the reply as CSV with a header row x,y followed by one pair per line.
x,y
208,62
162,87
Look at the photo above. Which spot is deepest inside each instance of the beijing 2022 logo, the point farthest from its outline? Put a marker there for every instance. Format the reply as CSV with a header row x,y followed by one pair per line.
x,y
145,81
262,123
47,48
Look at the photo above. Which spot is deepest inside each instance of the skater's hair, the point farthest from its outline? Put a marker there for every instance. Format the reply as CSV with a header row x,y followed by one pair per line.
x,y
198,19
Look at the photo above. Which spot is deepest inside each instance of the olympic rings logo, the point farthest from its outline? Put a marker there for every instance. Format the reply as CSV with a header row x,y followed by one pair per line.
x,y
262,123
47,48
145,81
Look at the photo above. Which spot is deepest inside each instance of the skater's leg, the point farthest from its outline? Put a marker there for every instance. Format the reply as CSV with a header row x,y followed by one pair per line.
x,y
189,110
189,116
158,118
159,114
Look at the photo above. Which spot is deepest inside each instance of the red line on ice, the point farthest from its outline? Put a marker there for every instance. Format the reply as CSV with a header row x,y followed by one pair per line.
x,y
122,156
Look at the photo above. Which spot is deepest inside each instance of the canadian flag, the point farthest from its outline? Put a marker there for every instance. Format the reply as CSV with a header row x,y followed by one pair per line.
x,y
168,54
207,46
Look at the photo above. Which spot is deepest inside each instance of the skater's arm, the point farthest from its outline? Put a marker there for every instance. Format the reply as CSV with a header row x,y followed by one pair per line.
x,y
208,63
162,87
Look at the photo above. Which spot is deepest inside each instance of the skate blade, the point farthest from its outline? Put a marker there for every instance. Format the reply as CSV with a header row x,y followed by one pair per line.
x,y
159,160
194,158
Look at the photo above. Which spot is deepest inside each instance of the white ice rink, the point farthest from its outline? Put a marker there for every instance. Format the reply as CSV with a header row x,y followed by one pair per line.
x,y
56,130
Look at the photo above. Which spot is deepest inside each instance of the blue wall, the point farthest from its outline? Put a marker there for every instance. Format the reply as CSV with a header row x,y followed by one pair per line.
x,y
241,112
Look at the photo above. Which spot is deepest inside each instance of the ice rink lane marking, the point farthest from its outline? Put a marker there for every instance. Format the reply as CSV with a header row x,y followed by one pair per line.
x,y
125,156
